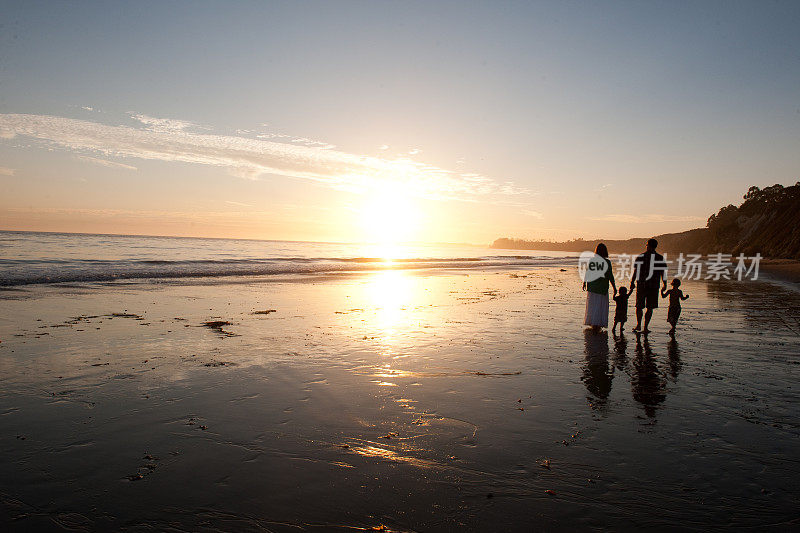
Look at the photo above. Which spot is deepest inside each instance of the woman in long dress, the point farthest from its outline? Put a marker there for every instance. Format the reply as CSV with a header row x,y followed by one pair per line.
x,y
596,314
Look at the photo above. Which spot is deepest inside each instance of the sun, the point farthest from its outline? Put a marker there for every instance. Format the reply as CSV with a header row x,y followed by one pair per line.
x,y
389,216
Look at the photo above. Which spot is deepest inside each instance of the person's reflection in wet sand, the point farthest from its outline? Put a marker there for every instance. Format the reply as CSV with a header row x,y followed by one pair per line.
x,y
648,385
620,357
674,354
597,374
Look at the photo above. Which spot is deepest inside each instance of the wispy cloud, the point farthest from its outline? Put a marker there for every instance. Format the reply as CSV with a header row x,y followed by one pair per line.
x,y
643,219
5,171
175,140
240,204
310,142
534,214
164,125
105,162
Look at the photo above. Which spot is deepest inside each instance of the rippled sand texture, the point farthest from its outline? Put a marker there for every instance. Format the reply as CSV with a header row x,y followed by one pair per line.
x,y
414,402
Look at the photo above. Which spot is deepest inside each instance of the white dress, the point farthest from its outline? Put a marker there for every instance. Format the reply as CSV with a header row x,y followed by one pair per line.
x,y
596,310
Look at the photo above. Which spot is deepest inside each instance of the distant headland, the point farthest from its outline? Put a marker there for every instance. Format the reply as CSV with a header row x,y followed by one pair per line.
x,y
767,222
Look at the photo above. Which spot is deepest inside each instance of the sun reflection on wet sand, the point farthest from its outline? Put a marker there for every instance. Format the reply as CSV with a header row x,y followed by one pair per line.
x,y
388,294
390,373
390,291
370,449
384,383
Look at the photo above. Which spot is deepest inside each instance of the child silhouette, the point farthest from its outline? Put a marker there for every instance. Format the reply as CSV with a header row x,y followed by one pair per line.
x,y
621,313
675,297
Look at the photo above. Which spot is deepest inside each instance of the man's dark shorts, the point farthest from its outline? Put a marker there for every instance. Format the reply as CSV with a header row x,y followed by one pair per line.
x,y
647,297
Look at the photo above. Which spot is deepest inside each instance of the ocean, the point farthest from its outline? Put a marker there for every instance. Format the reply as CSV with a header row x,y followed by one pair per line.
x,y
40,258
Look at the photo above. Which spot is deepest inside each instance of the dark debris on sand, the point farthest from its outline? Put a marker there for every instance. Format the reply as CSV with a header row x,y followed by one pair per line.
x,y
217,326
126,315
219,363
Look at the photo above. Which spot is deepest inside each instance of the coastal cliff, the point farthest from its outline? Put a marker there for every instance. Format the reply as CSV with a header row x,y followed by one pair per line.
x,y
767,222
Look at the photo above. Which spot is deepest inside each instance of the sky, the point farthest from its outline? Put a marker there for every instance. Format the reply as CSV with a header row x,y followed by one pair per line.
x,y
393,121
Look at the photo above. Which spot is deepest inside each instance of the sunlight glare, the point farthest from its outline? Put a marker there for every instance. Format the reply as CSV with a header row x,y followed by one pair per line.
x,y
389,217
390,292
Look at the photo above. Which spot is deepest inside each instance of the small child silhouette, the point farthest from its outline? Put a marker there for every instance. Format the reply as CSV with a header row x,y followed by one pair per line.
x,y
675,297
621,314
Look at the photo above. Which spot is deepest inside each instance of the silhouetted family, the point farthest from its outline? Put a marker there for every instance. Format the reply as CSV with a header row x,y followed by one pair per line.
x,y
649,280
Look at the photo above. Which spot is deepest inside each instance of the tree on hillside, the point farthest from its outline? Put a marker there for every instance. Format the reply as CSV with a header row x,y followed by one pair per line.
x,y
723,219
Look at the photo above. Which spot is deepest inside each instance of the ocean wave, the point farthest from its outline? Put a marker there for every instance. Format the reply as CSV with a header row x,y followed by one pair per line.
x,y
40,258
15,272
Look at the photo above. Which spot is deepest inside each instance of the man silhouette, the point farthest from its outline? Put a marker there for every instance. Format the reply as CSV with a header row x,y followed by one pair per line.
x,y
649,271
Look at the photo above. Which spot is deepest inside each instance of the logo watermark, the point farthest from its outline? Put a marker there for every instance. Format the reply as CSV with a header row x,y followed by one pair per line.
x,y
715,267
591,266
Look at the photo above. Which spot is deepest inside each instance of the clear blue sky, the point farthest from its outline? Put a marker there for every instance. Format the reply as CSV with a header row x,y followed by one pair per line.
x,y
610,119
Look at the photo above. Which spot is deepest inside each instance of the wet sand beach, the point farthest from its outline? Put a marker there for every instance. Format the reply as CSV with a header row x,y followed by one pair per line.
x,y
398,401
783,269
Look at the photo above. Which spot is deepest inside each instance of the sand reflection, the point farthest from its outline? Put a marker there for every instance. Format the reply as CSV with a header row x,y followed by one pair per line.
x,y
371,449
648,383
389,294
597,374
649,373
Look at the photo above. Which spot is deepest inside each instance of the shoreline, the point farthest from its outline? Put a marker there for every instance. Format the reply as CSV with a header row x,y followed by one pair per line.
x,y
787,270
